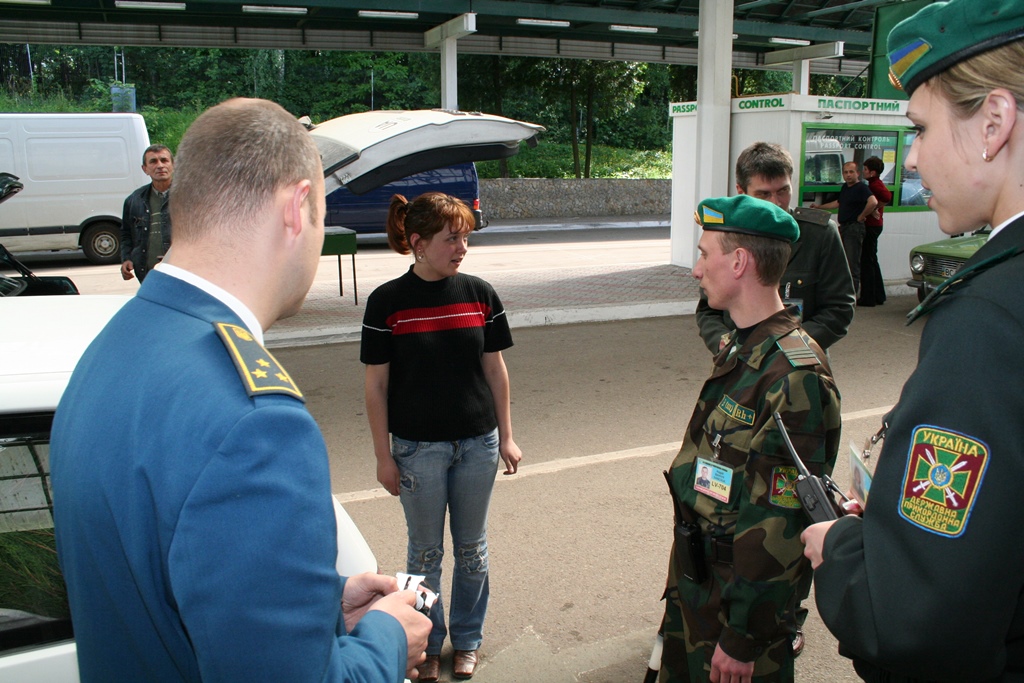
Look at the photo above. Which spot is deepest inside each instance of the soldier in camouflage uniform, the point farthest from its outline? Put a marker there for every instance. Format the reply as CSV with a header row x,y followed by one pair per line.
x,y
740,618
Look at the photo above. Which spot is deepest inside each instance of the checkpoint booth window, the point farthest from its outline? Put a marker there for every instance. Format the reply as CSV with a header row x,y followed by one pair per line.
x,y
826,147
821,133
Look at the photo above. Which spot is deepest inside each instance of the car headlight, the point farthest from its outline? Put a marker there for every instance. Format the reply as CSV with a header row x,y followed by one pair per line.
x,y
917,264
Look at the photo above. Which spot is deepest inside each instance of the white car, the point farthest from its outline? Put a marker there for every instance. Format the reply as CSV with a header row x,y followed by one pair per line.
x,y
44,336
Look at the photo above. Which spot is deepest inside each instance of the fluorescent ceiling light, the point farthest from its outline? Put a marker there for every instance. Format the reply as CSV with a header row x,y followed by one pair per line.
x,y
385,14
25,2
632,29
554,23
273,9
139,4
696,34
789,41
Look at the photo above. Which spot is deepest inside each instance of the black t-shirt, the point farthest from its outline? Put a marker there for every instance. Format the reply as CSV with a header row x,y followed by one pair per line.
x,y
434,335
852,199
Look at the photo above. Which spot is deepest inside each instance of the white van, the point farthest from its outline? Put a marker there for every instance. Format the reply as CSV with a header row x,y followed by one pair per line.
x,y
77,170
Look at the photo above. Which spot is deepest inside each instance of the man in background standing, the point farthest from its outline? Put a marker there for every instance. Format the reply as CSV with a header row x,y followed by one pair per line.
x,y
145,222
872,286
817,278
855,204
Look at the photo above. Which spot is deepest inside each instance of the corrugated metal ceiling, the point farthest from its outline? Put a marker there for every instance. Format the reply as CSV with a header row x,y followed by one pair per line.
x,y
336,24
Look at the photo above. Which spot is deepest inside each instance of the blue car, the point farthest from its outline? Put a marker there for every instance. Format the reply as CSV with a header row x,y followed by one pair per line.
x,y
367,213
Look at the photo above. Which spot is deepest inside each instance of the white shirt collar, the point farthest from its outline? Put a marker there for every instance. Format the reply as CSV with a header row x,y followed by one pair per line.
x,y
1004,224
222,295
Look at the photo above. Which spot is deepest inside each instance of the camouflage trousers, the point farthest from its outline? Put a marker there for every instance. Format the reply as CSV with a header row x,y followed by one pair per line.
x,y
693,624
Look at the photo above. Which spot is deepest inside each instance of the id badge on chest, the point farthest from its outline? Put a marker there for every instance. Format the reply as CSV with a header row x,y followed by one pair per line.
x,y
712,479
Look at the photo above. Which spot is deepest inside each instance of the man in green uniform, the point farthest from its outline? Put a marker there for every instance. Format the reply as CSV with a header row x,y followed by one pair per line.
x,y
817,278
732,595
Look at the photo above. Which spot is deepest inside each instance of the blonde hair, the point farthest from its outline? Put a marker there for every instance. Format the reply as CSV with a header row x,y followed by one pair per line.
x,y
966,84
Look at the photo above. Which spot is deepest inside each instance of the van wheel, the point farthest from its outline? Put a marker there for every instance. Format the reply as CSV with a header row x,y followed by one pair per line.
x,y
102,243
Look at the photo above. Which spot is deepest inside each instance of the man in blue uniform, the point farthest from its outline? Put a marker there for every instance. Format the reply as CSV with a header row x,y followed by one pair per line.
x,y
193,511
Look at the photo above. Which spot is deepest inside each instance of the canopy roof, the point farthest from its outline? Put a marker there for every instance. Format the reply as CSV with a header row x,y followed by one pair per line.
x,y
641,30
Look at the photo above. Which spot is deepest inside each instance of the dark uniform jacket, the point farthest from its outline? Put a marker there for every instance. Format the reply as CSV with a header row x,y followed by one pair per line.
x,y
135,230
930,584
817,275
778,368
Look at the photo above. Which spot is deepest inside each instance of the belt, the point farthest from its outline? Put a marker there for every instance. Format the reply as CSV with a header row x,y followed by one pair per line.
x,y
721,550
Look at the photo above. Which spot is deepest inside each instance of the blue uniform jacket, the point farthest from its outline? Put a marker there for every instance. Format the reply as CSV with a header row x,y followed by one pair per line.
x,y
194,522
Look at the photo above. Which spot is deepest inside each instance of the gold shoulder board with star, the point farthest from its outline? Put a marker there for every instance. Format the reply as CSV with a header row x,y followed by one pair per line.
x,y
797,351
260,371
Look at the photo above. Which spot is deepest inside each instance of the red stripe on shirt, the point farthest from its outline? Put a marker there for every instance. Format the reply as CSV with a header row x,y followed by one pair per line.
x,y
438,318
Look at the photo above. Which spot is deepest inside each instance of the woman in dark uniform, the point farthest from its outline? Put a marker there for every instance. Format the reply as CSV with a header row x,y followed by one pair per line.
x,y
929,584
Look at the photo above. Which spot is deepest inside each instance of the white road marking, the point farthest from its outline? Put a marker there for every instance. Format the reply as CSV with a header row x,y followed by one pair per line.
x,y
561,464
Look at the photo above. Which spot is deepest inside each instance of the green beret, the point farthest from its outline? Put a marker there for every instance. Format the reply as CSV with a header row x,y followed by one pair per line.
x,y
945,33
747,215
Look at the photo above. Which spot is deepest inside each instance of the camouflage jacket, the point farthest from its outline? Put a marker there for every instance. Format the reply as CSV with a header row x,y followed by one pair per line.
x,y
778,368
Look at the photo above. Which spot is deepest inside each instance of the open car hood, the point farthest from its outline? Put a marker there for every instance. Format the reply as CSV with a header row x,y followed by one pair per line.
x,y
364,151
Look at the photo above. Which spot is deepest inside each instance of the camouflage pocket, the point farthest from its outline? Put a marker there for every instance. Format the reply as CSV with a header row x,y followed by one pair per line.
x,y
727,439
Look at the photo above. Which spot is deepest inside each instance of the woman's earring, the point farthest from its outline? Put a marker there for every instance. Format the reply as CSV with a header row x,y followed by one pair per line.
x,y
419,256
985,156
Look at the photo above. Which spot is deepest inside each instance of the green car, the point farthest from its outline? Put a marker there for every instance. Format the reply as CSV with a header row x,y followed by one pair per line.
x,y
932,263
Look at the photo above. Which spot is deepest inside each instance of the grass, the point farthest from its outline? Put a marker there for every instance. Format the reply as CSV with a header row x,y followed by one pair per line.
x,y
30,578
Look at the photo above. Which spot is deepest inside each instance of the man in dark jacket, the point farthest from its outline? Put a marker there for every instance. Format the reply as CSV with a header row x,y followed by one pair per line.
x,y
817,278
145,221
855,204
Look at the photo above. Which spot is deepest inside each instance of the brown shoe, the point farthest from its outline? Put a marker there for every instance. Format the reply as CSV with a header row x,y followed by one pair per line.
x,y
430,669
464,664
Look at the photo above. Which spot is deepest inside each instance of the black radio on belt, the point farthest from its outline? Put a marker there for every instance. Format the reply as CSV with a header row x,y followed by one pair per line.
x,y
689,541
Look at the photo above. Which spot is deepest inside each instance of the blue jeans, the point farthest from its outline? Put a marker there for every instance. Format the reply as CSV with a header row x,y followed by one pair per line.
x,y
458,476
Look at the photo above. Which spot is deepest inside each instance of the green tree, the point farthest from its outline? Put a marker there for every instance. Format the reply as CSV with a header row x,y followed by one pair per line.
x,y
839,86
759,82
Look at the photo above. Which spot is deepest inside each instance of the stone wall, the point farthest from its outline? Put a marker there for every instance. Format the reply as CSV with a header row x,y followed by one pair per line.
x,y
509,198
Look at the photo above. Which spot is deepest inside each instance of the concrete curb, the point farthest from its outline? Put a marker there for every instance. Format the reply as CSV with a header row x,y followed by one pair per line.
x,y
536,318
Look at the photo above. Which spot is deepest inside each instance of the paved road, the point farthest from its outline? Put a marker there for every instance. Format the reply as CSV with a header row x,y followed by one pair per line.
x,y
580,537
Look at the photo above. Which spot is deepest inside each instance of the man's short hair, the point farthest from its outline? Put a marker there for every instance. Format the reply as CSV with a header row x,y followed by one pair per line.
x,y
232,160
771,256
157,148
766,159
874,164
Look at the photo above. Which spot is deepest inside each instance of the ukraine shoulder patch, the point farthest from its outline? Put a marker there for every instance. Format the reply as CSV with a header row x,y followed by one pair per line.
x,y
944,474
260,371
783,492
